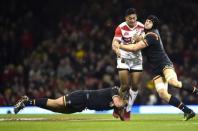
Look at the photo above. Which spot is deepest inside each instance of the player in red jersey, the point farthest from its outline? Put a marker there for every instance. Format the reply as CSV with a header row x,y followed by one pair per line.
x,y
129,64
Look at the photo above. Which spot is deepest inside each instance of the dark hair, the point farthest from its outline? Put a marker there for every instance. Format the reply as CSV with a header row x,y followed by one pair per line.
x,y
130,11
155,21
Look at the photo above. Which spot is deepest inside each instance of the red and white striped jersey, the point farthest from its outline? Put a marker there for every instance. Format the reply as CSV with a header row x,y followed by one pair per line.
x,y
125,34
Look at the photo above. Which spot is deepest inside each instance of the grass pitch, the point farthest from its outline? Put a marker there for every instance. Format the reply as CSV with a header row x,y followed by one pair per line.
x,y
99,122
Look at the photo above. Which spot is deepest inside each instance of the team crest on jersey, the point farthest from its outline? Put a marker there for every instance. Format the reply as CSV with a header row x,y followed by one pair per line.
x,y
126,33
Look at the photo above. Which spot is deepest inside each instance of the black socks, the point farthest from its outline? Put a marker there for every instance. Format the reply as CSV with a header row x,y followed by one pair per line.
x,y
176,103
190,88
38,102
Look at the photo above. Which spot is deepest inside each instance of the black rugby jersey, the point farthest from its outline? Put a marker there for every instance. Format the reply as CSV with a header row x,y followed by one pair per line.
x,y
154,52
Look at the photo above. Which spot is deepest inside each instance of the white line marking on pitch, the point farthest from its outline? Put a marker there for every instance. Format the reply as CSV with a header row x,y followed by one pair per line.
x,y
51,119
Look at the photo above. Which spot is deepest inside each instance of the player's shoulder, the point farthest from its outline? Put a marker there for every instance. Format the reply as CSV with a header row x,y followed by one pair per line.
x,y
122,24
152,35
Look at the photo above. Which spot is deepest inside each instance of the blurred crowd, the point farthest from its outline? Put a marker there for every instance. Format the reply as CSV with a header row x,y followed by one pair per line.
x,y
51,48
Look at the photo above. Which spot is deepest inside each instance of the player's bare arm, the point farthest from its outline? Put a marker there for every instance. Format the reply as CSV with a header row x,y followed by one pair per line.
x,y
114,47
132,47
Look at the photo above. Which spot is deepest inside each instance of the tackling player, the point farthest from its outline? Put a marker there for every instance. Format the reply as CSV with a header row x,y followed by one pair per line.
x,y
163,70
77,101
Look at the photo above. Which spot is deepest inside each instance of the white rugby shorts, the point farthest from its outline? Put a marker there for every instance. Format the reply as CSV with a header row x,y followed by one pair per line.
x,y
129,64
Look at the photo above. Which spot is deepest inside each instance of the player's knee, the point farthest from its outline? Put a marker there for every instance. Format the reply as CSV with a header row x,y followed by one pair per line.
x,y
171,78
124,87
163,94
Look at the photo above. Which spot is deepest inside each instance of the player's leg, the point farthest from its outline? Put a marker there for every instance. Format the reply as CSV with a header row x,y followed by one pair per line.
x,y
123,72
162,89
55,105
124,87
124,82
135,80
123,92
171,77
136,76
136,69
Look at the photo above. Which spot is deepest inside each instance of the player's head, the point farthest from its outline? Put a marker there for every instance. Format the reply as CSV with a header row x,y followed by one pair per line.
x,y
131,16
152,22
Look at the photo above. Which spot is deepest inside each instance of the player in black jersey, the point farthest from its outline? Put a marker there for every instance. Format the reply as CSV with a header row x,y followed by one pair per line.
x,y
163,70
77,101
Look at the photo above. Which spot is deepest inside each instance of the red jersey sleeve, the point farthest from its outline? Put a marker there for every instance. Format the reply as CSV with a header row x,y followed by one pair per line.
x,y
118,34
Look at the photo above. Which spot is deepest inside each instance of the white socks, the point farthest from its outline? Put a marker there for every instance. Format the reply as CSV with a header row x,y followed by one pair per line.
x,y
133,95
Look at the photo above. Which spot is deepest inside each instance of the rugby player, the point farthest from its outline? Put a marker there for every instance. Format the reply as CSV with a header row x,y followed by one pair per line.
x,y
129,64
163,70
77,101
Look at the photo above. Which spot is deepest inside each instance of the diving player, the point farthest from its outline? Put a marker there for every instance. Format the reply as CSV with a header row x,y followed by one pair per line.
x,y
77,101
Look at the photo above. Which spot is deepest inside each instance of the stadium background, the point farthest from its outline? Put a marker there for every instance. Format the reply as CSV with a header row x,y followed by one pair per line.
x,y
48,48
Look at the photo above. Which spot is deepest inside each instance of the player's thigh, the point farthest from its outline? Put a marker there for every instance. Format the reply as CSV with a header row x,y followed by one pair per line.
x,y
171,77
169,73
123,71
135,77
123,76
75,101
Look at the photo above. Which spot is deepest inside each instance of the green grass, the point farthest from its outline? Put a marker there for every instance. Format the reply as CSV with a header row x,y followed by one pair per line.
x,y
84,122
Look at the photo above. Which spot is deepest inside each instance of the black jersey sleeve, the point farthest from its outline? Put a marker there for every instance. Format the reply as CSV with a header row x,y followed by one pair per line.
x,y
114,91
151,38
